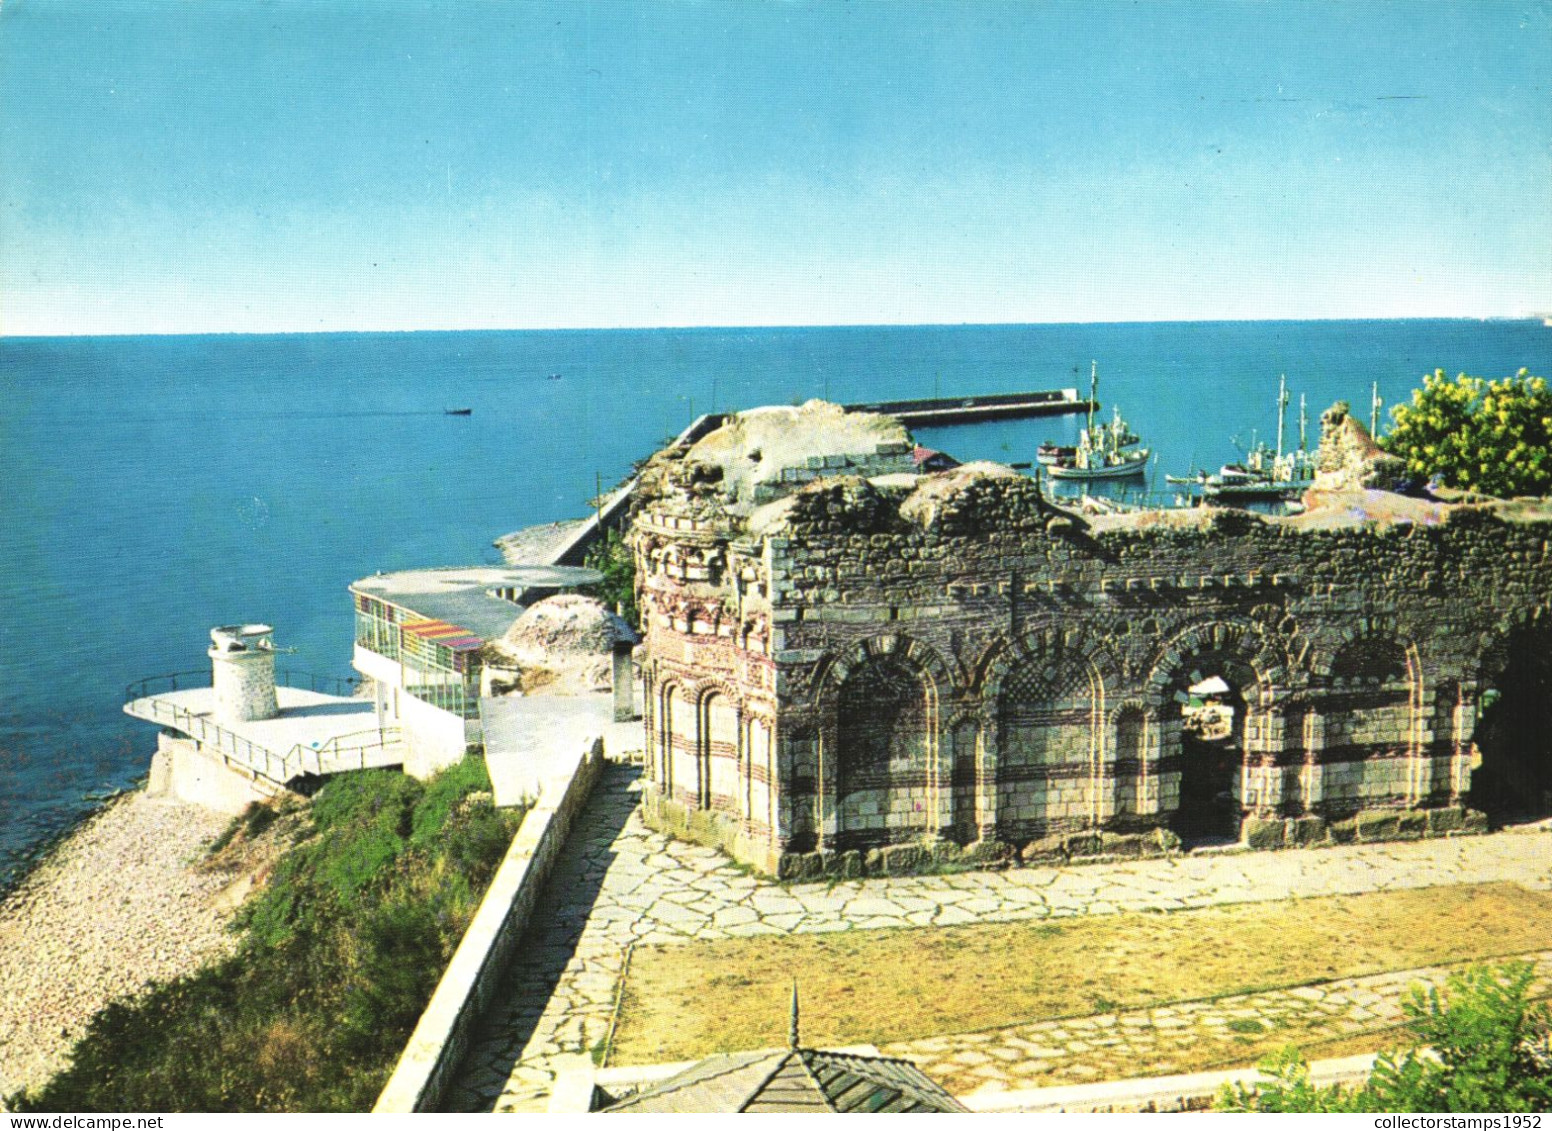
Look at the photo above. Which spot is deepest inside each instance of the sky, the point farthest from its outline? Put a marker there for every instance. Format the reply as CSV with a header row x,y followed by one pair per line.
x,y
297,165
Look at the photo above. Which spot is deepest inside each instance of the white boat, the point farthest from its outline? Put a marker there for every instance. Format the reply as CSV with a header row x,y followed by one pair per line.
x,y
1268,473
1105,450
1134,462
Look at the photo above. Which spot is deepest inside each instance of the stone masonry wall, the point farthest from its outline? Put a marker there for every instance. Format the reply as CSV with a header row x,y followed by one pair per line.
x,y
952,669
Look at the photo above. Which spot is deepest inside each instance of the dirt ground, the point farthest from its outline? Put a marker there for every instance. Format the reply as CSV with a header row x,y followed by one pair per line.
x,y
879,986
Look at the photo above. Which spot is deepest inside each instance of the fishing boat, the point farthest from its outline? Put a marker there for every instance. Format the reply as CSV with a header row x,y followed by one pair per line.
x,y
457,412
1268,473
1104,450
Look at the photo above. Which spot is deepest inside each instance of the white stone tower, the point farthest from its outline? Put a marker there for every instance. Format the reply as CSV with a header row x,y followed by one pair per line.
x,y
242,668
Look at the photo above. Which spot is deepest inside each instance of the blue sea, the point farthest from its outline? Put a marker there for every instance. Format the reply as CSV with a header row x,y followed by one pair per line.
x,y
151,487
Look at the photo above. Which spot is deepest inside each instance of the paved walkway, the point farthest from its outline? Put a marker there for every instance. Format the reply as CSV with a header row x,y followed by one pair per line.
x,y
1171,1039
620,884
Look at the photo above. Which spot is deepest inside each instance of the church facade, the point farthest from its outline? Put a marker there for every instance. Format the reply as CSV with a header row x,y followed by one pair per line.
x,y
885,672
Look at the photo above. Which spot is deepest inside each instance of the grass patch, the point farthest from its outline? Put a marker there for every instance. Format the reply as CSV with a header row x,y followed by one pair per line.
x,y
339,955
881,986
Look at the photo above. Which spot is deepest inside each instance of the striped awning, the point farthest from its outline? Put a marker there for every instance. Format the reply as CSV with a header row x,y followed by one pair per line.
x,y
453,637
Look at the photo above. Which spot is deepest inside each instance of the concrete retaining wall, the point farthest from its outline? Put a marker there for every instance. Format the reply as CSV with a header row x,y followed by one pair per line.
x,y
181,768
433,738
442,1036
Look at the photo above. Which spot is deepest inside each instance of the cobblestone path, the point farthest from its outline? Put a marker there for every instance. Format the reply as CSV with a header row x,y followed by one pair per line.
x,y
619,884
1157,1042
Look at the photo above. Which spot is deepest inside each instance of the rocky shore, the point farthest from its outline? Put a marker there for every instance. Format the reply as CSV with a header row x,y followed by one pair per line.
x,y
119,903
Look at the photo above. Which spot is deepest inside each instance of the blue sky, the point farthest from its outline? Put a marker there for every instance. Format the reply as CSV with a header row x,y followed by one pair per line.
x,y
380,164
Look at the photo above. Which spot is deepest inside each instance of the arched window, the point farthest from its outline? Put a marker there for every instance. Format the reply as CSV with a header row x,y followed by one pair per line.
x,y
718,752
1130,730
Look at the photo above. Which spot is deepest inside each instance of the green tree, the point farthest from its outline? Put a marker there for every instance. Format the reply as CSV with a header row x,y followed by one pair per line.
x,y
1489,436
613,558
1481,1046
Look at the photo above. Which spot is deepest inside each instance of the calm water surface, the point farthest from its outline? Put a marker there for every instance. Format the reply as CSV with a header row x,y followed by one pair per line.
x,y
153,487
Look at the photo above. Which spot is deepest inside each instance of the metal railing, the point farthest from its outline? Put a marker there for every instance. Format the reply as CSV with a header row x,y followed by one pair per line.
x,y
284,677
342,752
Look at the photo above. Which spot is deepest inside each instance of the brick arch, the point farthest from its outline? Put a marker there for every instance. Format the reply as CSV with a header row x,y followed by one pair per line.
x,y
1048,646
1374,704
1493,647
669,776
1242,643
1342,660
718,744
701,689
872,765
1323,658
1130,703
1048,747
1510,718
966,711
834,669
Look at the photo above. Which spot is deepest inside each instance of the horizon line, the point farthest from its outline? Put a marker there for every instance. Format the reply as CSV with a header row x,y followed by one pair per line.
x,y
707,327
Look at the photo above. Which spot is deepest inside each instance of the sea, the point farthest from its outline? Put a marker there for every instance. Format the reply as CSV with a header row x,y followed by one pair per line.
x,y
153,487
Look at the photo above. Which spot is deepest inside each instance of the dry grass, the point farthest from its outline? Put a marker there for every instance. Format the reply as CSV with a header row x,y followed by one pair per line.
x,y
880,986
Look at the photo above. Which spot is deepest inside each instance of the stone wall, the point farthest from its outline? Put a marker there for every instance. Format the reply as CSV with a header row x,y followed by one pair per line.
x,y
441,1038
949,668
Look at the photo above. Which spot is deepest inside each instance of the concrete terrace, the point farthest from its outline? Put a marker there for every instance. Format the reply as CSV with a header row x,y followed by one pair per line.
x,y
313,734
619,884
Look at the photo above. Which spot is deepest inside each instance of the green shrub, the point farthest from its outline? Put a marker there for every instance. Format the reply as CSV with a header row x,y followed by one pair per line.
x,y
338,957
251,822
1488,436
615,560
1481,1047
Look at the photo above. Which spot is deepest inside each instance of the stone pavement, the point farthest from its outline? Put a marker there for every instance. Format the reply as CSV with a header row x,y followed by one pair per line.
x,y
1170,1039
618,884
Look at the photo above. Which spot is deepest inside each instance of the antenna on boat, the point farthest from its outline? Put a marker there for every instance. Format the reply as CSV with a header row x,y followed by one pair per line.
x,y
1282,405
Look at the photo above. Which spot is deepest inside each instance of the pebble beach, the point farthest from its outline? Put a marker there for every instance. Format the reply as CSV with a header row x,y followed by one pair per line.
x,y
118,904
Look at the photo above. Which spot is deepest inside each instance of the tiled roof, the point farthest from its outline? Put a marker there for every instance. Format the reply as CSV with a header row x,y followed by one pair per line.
x,y
794,1080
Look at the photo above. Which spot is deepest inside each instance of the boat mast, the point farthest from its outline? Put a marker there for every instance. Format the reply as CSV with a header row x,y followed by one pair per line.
x,y
1282,405
1093,395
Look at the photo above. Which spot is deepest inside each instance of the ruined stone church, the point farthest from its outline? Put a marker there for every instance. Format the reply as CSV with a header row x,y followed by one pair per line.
x,y
852,666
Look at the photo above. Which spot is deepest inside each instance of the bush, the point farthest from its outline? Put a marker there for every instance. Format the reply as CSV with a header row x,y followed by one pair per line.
x,y
1482,1047
614,559
339,955
1489,436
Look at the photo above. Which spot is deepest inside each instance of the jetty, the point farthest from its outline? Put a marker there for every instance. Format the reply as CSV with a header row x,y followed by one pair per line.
x,y
972,410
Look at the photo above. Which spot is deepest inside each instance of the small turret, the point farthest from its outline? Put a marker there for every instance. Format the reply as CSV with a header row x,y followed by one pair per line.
x,y
242,671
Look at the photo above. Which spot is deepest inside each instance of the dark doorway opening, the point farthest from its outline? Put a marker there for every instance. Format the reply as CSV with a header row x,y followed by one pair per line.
x,y
1513,737
1212,754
